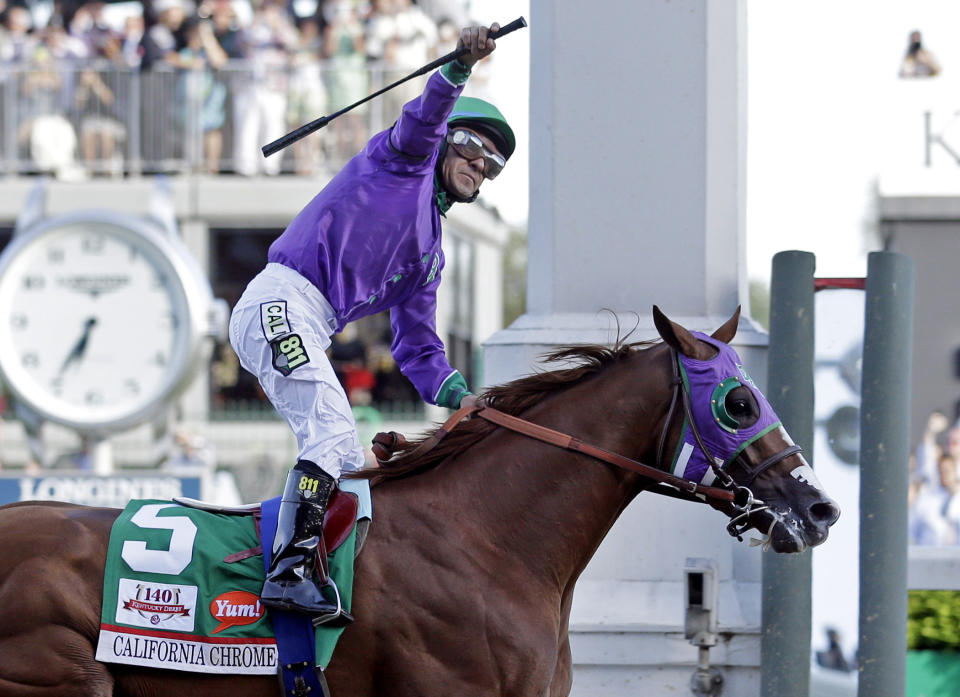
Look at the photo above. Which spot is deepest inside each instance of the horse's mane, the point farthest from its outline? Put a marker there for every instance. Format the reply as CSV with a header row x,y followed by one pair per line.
x,y
513,398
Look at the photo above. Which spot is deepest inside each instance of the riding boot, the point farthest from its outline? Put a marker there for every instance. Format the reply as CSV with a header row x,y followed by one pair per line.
x,y
298,546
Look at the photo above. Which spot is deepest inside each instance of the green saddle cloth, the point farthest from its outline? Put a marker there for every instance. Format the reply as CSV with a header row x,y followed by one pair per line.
x,y
171,601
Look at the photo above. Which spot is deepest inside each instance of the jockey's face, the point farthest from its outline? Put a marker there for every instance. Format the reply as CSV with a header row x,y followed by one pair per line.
x,y
462,176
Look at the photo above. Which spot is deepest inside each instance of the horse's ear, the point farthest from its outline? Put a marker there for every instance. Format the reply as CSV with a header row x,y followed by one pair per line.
x,y
729,328
680,338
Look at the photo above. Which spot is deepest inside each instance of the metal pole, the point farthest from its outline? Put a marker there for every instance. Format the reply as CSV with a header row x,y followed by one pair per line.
x,y
884,455
786,603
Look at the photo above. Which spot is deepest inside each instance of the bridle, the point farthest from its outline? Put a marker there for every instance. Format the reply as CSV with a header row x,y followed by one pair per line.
x,y
738,496
744,503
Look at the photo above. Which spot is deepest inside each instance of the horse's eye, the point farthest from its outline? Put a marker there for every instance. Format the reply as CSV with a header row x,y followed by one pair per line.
x,y
738,407
742,406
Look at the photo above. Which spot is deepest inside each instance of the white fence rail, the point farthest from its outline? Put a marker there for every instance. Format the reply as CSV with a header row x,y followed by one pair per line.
x,y
100,119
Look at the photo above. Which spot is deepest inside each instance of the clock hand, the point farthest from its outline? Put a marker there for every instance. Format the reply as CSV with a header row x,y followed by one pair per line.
x,y
79,348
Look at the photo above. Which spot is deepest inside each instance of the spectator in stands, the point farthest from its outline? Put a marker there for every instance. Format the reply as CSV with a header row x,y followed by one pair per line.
x,y
308,95
44,93
132,49
202,97
18,42
226,27
347,78
101,105
918,61
416,36
929,450
404,38
950,483
380,32
416,45
101,123
935,511
260,103
90,28
162,41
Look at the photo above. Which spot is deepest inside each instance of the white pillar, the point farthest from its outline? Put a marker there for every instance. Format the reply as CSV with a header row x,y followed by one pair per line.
x,y
637,152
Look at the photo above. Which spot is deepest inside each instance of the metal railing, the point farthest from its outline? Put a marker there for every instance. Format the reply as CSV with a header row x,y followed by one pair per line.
x,y
104,120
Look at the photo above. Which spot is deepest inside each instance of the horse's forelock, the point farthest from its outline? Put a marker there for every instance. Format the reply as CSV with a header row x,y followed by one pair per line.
x,y
513,398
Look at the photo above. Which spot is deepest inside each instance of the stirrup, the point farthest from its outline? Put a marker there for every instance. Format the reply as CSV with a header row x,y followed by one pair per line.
x,y
339,618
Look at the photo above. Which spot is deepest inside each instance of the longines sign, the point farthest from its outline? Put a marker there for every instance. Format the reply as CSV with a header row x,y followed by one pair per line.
x,y
92,490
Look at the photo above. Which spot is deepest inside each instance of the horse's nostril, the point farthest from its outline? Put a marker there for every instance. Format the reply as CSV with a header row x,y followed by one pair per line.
x,y
825,512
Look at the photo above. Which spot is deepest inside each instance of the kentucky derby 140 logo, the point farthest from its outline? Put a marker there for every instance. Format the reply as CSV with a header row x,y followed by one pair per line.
x,y
155,602
146,604
235,608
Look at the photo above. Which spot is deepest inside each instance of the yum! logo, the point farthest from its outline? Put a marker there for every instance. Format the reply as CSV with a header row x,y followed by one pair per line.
x,y
235,608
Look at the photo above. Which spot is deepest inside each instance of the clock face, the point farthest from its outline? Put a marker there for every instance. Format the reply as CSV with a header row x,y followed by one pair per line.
x,y
94,324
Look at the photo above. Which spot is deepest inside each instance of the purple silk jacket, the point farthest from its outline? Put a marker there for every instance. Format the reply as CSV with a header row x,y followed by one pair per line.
x,y
370,240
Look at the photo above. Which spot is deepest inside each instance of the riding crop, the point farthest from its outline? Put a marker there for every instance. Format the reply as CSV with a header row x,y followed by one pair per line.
x,y
317,124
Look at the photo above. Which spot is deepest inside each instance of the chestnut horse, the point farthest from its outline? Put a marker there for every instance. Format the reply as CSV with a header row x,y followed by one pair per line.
x,y
465,583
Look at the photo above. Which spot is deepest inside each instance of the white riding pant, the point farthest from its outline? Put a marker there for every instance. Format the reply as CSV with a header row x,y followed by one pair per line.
x,y
281,328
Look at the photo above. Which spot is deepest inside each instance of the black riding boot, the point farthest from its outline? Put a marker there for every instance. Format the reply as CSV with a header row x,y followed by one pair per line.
x,y
290,583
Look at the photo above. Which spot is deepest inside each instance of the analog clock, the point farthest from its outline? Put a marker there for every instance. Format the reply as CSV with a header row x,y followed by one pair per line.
x,y
102,318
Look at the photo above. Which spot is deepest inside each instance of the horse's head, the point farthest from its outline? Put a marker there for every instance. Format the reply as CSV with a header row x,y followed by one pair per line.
x,y
729,436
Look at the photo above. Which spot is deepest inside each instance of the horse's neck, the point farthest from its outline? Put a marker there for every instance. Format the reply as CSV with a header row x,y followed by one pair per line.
x,y
550,507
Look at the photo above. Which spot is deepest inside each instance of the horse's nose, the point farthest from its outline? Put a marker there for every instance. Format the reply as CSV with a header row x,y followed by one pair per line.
x,y
824,513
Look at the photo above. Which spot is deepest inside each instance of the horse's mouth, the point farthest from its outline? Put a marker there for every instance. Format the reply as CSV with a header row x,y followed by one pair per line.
x,y
785,533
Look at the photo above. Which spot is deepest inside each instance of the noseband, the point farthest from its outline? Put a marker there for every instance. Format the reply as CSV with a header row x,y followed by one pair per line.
x,y
744,503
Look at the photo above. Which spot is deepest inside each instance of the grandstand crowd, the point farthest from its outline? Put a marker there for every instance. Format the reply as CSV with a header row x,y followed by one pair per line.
x,y
934,494
91,88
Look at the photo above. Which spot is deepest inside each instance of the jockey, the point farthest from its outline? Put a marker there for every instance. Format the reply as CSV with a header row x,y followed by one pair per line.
x,y
368,242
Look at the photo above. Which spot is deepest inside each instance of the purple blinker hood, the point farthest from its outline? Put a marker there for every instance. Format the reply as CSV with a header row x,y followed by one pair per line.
x,y
707,381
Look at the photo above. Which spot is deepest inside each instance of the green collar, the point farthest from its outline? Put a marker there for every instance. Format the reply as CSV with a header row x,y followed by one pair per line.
x,y
444,202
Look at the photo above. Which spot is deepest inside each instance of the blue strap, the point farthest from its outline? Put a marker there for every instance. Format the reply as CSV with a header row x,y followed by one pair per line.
x,y
294,631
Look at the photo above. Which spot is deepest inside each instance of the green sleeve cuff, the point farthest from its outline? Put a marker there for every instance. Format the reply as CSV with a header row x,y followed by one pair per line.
x,y
453,389
455,71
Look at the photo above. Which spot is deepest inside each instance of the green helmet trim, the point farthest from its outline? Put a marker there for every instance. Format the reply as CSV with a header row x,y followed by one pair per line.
x,y
473,110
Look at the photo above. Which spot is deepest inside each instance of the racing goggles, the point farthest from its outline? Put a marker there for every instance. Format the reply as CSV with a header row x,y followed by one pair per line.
x,y
469,146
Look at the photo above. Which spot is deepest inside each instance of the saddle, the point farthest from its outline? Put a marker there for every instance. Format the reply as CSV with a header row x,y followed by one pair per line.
x,y
337,525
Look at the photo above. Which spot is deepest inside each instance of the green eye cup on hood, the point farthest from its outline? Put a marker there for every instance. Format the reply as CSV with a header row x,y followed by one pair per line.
x,y
718,404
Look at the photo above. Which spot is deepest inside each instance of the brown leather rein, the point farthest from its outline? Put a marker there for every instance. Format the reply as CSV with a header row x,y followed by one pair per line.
x,y
384,443
744,504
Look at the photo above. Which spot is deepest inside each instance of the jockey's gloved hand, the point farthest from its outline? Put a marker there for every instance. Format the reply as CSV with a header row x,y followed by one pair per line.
x,y
472,400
